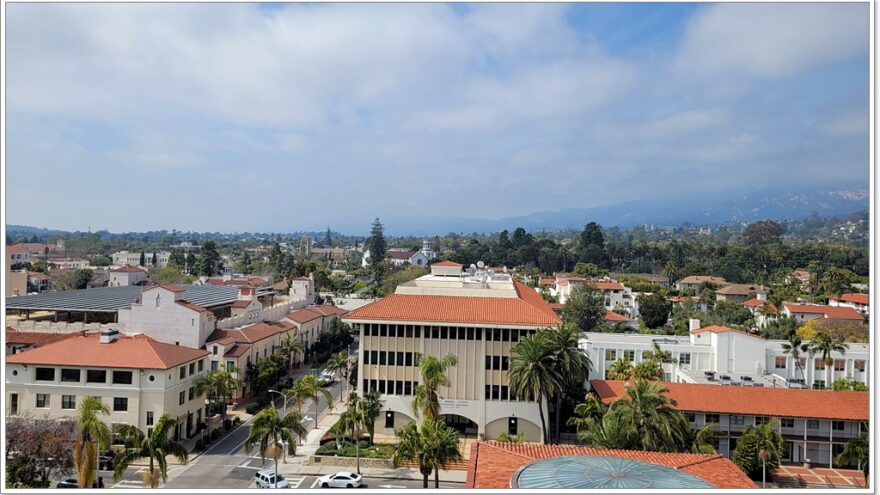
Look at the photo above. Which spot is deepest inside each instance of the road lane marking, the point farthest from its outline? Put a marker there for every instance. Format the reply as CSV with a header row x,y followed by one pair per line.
x,y
315,483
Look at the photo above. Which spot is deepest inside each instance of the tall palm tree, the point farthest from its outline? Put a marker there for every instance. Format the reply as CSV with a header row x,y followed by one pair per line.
x,y
533,374
354,420
794,346
270,431
758,447
338,363
572,362
432,445
620,370
156,447
657,425
372,404
608,432
94,435
590,408
856,451
824,346
220,385
292,348
309,387
426,397
659,355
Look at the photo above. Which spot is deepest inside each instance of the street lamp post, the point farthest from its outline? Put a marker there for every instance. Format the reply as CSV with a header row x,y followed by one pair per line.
x,y
284,413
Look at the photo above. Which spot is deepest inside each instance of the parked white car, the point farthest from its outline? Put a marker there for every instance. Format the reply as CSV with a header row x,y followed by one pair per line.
x,y
342,479
266,479
327,376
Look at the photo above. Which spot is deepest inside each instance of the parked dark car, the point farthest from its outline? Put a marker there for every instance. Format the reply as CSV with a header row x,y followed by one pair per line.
x,y
105,463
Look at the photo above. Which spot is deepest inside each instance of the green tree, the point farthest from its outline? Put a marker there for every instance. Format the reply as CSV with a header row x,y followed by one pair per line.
x,y
245,264
143,260
591,409
571,361
620,369
656,425
794,346
93,435
857,452
177,259
310,387
432,445
763,232
588,270
376,243
354,420
426,398
849,383
585,308
654,310
758,448
156,447
824,346
533,374
338,363
704,439
208,262
270,431
291,348
372,405
74,279
220,386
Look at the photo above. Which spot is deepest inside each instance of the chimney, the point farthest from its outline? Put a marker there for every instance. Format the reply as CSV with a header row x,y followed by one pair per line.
x,y
693,324
109,335
246,293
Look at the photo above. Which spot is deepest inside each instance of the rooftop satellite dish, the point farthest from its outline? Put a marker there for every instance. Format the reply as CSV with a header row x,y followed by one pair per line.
x,y
480,265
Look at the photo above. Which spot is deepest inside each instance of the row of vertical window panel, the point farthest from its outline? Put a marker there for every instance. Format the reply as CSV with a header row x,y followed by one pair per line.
x,y
495,363
500,392
391,358
192,368
120,404
92,376
819,364
627,355
391,387
182,396
445,333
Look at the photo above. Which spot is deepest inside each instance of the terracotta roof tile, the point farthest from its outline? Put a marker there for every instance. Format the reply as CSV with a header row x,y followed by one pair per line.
x,y
172,288
128,269
327,310
853,298
128,351
400,255
831,312
759,401
251,333
740,289
16,249
699,279
493,464
194,307
303,316
35,339
240,304
446,263
237,350
612,316
528,309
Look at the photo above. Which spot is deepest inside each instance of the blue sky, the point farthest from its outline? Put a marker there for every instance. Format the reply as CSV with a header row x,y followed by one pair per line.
x,y
242,117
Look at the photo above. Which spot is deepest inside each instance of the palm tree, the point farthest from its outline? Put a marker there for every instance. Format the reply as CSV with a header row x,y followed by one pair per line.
x,y
156,447
533,374
758,447
795,346
703,439
659,355
338,363
94,435
432,445
590,408
372,404
309,387
354,420
572,362
220,385
270,431
426,400
608,432
856,451
620,370
824,346
656,424
291,348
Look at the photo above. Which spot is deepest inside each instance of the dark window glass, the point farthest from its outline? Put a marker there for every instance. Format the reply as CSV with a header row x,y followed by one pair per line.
x,y
192,366
374,357
42,400
505,362
96,376
409,359
504,391
120,404
470,334
68,402
389,419
201,364
496,362
505,335
488,392
149,418
407,388
383,330
398,387
400,358
479,334
122,377
409,331
488,362
182,372
383,357
46,374
69,375
192,393
514,335
444,333
381,386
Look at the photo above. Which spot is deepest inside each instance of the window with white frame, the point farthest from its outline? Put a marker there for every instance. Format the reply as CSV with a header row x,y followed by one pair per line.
x,y
684,359
737,420
786,422
780,362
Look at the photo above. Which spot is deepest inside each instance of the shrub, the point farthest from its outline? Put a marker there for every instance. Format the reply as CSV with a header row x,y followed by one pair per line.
x,y
236,421
227,424
252,408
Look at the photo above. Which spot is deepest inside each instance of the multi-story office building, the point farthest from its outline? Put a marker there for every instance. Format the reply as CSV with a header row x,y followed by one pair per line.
x,y
476,316
815,424
723,355
138,378
123,258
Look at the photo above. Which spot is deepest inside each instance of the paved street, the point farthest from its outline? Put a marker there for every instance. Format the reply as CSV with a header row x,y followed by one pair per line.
x,y
226,464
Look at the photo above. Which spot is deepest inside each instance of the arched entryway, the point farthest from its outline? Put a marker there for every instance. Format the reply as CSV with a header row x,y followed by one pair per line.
x,y
465,426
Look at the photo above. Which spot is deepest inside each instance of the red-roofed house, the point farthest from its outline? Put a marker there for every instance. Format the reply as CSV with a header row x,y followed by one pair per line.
x,y
856,301
815,423
617,296
137,377
807,312
503,465
477,317
236,348
163,314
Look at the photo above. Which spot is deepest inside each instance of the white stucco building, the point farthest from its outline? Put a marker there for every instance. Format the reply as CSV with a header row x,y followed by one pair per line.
x,y
123,258
164,315
127,275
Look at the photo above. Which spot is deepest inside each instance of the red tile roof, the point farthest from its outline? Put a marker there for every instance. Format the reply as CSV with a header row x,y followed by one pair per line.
x,y
128,351
128,269
605,285
400,255
758,401
38,275
853,298
16,249
172,288
327,310
612,316
740,289
303,316
194,307
251,333
446,263
831,312
493,464
237,350
224,341
528,309
240,304
35,339
546,281
718,329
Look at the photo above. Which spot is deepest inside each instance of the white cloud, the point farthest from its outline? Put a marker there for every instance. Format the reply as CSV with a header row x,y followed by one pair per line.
x,y
771,39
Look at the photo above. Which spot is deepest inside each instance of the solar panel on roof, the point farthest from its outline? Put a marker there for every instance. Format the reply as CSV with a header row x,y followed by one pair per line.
x,y
111,299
